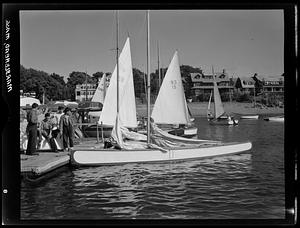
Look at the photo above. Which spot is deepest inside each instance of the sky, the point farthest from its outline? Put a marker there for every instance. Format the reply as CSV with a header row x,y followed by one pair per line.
x,y
242,42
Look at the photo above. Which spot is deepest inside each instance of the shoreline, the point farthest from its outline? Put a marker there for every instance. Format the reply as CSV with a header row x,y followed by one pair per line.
x,y
199,109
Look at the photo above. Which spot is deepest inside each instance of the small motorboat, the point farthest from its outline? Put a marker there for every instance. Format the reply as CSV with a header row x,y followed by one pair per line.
x,y
254,117
275,118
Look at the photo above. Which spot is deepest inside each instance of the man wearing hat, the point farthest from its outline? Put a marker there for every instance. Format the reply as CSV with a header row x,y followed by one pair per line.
x,y
32,119
67,129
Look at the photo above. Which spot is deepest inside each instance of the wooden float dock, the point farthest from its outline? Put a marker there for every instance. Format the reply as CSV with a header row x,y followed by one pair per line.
x,y
38,165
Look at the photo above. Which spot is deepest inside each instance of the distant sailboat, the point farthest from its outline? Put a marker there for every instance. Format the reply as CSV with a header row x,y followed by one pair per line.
x,y
218,116
170,107
100,92
99,96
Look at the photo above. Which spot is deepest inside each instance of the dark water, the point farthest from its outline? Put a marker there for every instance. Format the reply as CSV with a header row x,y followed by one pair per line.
x,y
244,186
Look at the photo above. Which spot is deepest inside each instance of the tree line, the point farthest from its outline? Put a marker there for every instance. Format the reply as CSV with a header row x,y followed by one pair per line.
x,y
54,87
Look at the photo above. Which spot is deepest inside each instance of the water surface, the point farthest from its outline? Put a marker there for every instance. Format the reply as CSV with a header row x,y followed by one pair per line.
x,y
244,186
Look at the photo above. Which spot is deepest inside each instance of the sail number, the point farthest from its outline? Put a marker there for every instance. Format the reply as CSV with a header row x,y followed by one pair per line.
x,y
173,84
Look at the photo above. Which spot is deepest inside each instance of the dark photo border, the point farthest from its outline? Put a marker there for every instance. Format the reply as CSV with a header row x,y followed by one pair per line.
x,y
11,177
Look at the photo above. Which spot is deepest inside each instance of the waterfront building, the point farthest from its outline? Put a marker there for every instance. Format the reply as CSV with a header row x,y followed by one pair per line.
x,y
273,85
203,83
266,85
85,91
269,85
244,85
27,94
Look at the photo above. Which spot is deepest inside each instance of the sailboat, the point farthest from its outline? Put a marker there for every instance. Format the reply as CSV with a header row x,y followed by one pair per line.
x,y
218,116
158,146
108,114
96,130
170,107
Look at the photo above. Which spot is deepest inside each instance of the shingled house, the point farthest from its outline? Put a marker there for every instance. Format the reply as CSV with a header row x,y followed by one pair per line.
x,y
203,83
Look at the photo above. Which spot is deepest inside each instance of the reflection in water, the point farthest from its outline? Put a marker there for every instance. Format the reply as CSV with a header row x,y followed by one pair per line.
x,y
247,185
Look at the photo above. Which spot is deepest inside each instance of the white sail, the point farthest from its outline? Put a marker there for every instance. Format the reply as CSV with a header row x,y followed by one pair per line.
x,y
127,108
99,94
208,107
219,110
170,106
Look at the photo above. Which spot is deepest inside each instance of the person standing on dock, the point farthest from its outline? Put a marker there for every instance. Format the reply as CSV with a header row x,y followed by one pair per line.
x,y
56,121
66,127
32,119
46,131
57,115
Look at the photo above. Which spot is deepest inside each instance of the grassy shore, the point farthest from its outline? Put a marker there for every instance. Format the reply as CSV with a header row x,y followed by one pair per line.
x,y
200,108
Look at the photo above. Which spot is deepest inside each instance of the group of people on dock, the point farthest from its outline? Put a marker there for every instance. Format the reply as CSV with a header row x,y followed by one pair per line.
x,y
55,128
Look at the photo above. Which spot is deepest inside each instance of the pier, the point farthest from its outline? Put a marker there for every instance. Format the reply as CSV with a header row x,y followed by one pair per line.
x,y
38,165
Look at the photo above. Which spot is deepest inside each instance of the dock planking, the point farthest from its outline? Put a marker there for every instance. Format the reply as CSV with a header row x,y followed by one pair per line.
x,y
38,166
43,163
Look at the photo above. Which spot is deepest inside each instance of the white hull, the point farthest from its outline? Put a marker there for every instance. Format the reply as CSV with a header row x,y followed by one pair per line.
x,y
276,119
250,117
191,131
98,157
188,132
223,121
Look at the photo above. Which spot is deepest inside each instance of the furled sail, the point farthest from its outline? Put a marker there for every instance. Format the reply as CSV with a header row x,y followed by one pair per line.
x,y
127,108
170,106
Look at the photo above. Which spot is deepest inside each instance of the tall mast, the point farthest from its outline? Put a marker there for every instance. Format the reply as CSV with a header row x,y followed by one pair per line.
x,y
215,84
117,56
148,78
254,98
159,77
86,89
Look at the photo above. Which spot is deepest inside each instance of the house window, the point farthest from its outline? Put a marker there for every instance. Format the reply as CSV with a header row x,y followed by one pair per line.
x,y
197,76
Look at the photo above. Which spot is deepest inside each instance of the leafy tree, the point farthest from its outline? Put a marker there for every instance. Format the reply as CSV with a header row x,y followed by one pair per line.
x,y
76,78
58,78
97,76
48,86
40,82
186,71
139,82
258,85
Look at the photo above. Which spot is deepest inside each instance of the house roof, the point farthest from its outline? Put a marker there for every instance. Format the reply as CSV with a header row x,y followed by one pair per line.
x,y
198,77
247,82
